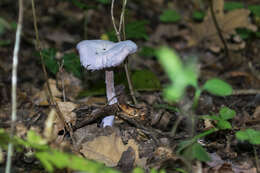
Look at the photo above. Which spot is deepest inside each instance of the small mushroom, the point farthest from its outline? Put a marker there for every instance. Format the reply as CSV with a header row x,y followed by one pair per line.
x,y
103,54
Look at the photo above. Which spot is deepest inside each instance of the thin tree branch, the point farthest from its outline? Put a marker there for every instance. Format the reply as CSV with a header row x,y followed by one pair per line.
x,y
218,29
14,85
118,35
52,100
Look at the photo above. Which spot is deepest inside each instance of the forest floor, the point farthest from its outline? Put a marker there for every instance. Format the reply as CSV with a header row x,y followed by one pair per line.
x,y
143,133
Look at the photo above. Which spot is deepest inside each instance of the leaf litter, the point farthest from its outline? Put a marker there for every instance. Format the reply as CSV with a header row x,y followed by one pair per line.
x,y
109,145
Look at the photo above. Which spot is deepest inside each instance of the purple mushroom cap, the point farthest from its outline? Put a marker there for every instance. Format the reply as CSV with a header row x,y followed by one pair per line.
x,y
100,54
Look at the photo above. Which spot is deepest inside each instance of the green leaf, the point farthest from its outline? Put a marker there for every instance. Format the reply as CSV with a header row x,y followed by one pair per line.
x,y
226,113
60,159
136,30
72,64
170,16
181,76
250,135
255,9
218,87
244,33
198,152
145,80
223,124
147,51
138,170
180,170
198,15
43,157
36,141
174,92
133,30
183,145
50,61
170,61
105,2
228,6
242,135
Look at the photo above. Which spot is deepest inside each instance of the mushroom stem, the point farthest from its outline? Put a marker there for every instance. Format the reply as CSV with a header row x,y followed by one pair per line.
x,y
111,97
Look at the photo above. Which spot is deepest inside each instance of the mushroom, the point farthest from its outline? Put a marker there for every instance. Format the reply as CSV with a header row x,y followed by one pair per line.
x,y
103,54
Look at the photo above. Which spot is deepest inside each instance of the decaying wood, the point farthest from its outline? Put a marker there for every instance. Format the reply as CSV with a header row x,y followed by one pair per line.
x,y
96,114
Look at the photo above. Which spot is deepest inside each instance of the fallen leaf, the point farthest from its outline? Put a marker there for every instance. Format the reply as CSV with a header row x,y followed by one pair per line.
x,y
206,31
66,109
256,114
41,98
69,84
60,36
108,150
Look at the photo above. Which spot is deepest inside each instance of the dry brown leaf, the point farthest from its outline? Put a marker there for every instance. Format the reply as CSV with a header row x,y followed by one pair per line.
x,y
69,84
228,22
60,36
41,98
66,109
164,30
108,150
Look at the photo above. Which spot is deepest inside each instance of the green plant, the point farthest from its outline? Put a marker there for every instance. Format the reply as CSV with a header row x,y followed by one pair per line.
x,y
70,62
50,61
198,15
133,30
253,137
182,76
52,159
250,135
191,149
222,118
170,16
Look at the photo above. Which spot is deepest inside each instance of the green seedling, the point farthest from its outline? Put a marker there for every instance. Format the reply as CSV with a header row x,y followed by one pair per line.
x,y
250,135
253,137
222,118
191,149
170,16
184,75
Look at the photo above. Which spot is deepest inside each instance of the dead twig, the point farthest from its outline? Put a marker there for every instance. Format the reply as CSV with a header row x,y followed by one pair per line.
x,y
118,35
246,92
218,29
95,115
53,102
14,85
